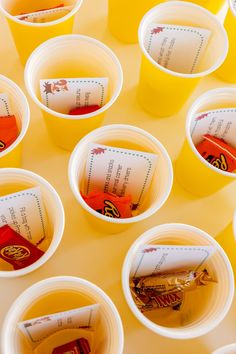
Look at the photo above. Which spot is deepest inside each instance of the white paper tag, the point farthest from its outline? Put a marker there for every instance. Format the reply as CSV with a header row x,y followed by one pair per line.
x,y
38,329
151,259
5,108
119,171
178,48
62,95
24,212
45,15
220,123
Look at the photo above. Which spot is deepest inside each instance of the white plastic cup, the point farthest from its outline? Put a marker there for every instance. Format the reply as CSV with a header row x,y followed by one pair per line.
x,y
193,172
72,56
13,180
228,349
11,157
61,294
129,137
213,302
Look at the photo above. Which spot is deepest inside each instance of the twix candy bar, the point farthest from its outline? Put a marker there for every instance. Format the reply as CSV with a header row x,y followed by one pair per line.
x,y
78,346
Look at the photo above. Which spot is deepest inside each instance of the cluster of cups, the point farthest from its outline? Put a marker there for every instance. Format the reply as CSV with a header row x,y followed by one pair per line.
x,y
63,56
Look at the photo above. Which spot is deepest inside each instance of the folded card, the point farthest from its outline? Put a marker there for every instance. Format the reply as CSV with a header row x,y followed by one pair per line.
x,y
38,329
119,171
178,48
5,107
62,95
46,15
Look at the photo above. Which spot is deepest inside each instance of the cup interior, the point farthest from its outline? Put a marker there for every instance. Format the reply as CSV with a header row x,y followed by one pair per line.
x,y
58,296
128,138
202,309
187,14
73,56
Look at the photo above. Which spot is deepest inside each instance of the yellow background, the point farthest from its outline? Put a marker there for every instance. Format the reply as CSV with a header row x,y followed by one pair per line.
x,y
85,252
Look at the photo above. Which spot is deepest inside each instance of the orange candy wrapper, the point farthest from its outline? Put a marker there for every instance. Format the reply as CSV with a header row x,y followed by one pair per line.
x,y
218,153
109,204
8,131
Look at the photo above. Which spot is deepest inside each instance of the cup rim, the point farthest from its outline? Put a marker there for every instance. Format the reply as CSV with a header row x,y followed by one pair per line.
x,y
55,240
176,73
56,280
162,330
84,38
45,24
75,190
192,110
231,7
26,116
225,349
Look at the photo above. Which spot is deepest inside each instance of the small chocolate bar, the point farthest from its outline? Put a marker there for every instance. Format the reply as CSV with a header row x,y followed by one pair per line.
x,y
218,153
16,250
78,346
109,204
8,131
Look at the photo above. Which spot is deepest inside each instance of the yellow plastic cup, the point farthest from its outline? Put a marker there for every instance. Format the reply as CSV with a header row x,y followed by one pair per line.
x,y
212,301
162,92
128,137
192,171
13,180
227,71
211,5
12,156
227,240
72,56
60,294
131,13
27,36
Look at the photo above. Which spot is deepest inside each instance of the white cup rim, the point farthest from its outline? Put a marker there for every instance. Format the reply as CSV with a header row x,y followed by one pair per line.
x,y
190,114
54,280
55,240
158,329
26,117
77,193
176,73
233,10
45,24
225,349
54,41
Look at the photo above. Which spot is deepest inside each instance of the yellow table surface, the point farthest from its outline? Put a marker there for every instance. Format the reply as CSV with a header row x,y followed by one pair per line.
x,y
84,252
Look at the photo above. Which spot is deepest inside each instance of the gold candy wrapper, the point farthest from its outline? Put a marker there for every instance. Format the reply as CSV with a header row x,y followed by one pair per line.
x,y
166,289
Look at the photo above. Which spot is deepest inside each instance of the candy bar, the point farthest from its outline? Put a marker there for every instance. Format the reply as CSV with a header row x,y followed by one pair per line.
x,y
8,131
218,153
16,250
166,289
109,204
79,346
84,110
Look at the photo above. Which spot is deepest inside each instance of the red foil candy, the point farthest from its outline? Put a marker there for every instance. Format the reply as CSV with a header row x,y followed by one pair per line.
x,y
8,131
79,346
84,110
109,204
16,250
218,153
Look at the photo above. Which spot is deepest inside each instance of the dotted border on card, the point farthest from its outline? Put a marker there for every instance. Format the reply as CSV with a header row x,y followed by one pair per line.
x,y
78,81
176,249
20,194
6,105
45,12
184,30
226,110
125,153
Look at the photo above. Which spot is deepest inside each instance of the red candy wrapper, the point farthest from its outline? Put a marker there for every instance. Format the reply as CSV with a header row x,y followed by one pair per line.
x,y
8,131
16,250
218,153
79,346
84,110
109,204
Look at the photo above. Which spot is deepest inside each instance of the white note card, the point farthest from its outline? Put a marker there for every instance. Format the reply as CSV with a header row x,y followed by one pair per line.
x,y
5,108
45,15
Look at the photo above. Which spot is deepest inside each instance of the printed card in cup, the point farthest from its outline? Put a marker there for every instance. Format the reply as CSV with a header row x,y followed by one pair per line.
x,y
24,212
38,329
178,48
45,15
220,123
5,108
119,171
234,4
63,95
152,259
